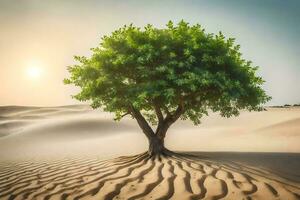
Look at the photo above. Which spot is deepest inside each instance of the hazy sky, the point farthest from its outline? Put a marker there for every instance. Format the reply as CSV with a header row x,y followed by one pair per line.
x,y
41,37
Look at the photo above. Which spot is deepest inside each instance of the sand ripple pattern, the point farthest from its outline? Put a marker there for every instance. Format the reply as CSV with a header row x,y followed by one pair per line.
x,y
140,177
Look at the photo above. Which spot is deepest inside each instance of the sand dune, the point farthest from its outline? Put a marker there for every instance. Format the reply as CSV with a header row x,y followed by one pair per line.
x,y
287,128
67,153
140,177
275,130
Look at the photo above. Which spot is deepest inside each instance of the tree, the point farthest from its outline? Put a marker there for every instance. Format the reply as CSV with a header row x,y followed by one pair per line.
x,y
160,75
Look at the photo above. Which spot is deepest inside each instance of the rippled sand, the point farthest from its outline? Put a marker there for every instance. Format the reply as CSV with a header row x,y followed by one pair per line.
x,y
178,176
72,152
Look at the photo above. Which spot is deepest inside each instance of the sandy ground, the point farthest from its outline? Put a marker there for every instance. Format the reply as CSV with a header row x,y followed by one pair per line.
x,y
68,153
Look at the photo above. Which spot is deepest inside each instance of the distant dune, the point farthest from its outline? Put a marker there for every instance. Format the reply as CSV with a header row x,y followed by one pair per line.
x,y
68,152
289,128
27,129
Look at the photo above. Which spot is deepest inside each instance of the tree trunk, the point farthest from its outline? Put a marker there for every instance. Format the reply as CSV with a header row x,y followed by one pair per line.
x,y
156,139
156,146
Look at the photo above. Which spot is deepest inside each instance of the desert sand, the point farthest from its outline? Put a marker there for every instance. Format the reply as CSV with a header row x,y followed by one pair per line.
x,y
74,152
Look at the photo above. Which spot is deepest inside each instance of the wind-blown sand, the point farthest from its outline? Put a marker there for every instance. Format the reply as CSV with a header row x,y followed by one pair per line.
x,y
71,152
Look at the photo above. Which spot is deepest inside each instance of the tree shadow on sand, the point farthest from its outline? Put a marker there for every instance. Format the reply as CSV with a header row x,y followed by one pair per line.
x,y
173,175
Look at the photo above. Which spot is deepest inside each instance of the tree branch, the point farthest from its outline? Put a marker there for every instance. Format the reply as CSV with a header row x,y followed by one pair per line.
x,y
169,120
178,112
125,114
166,110
119,118
143,124
158,112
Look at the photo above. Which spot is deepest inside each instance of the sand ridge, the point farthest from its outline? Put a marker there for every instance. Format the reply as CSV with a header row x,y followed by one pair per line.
x,y
29,132
60,152
179,176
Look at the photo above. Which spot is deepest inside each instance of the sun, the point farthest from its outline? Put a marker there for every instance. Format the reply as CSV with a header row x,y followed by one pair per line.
x,y
33,72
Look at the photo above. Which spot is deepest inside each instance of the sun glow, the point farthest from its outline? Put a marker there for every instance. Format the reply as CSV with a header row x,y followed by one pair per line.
x,y
33,71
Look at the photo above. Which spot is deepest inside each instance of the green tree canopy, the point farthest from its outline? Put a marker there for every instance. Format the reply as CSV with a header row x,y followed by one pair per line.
x,y
168,73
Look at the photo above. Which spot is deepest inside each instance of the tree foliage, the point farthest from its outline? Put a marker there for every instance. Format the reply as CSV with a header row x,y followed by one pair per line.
x,y
177,71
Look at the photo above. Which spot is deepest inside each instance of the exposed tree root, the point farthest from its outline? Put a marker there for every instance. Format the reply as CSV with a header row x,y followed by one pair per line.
x,y
157,176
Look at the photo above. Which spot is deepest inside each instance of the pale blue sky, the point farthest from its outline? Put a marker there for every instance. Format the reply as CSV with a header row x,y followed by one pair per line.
x,y
47,34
